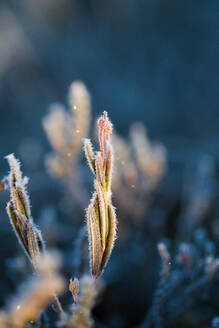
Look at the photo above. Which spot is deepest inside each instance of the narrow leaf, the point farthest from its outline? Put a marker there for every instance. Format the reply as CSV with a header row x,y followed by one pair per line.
x,y
18,223
111,236
94,241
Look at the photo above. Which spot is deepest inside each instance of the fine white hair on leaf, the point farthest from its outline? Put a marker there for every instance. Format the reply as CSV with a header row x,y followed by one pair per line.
x,y
14,166
101,217
88,149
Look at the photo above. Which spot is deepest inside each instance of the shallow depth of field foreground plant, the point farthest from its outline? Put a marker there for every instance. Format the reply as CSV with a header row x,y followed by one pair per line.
x,y
101,215
163,270
101,223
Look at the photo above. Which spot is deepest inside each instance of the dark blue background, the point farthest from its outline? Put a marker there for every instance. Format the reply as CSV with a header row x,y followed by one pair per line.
x,y
150,60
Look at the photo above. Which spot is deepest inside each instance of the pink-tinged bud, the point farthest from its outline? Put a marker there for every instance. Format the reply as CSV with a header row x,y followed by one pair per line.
x,y
105,130
101,217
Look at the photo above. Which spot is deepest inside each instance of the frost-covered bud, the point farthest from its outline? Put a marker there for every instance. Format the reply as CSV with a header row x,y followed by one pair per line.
x,y
101,217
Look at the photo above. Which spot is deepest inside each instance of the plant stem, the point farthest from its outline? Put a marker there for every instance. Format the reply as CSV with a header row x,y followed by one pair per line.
x,y
58,304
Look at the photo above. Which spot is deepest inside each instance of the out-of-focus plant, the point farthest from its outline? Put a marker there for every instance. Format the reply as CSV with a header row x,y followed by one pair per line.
x,y
65,131
215,322
197,197
80,312
14,39
139,168
183,281
35,295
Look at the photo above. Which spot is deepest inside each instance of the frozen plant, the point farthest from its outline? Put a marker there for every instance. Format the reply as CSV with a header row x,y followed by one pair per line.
x,y
101,217
18,209
19,212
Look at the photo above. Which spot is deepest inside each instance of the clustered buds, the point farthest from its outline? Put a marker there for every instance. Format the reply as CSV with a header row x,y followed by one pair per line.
x,y
65,130
18,209
101,218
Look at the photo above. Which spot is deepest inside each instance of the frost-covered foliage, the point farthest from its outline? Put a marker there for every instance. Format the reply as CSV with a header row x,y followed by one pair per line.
x,y
18,209
101,217
163,270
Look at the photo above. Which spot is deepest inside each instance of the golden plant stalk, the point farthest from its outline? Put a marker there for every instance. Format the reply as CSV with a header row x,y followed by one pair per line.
x,y
126,170
101,217
65,130
150,158
140,166
18,209
35,295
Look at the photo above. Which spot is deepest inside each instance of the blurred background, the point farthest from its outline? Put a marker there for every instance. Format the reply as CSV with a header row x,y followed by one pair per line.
x,y
152,61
